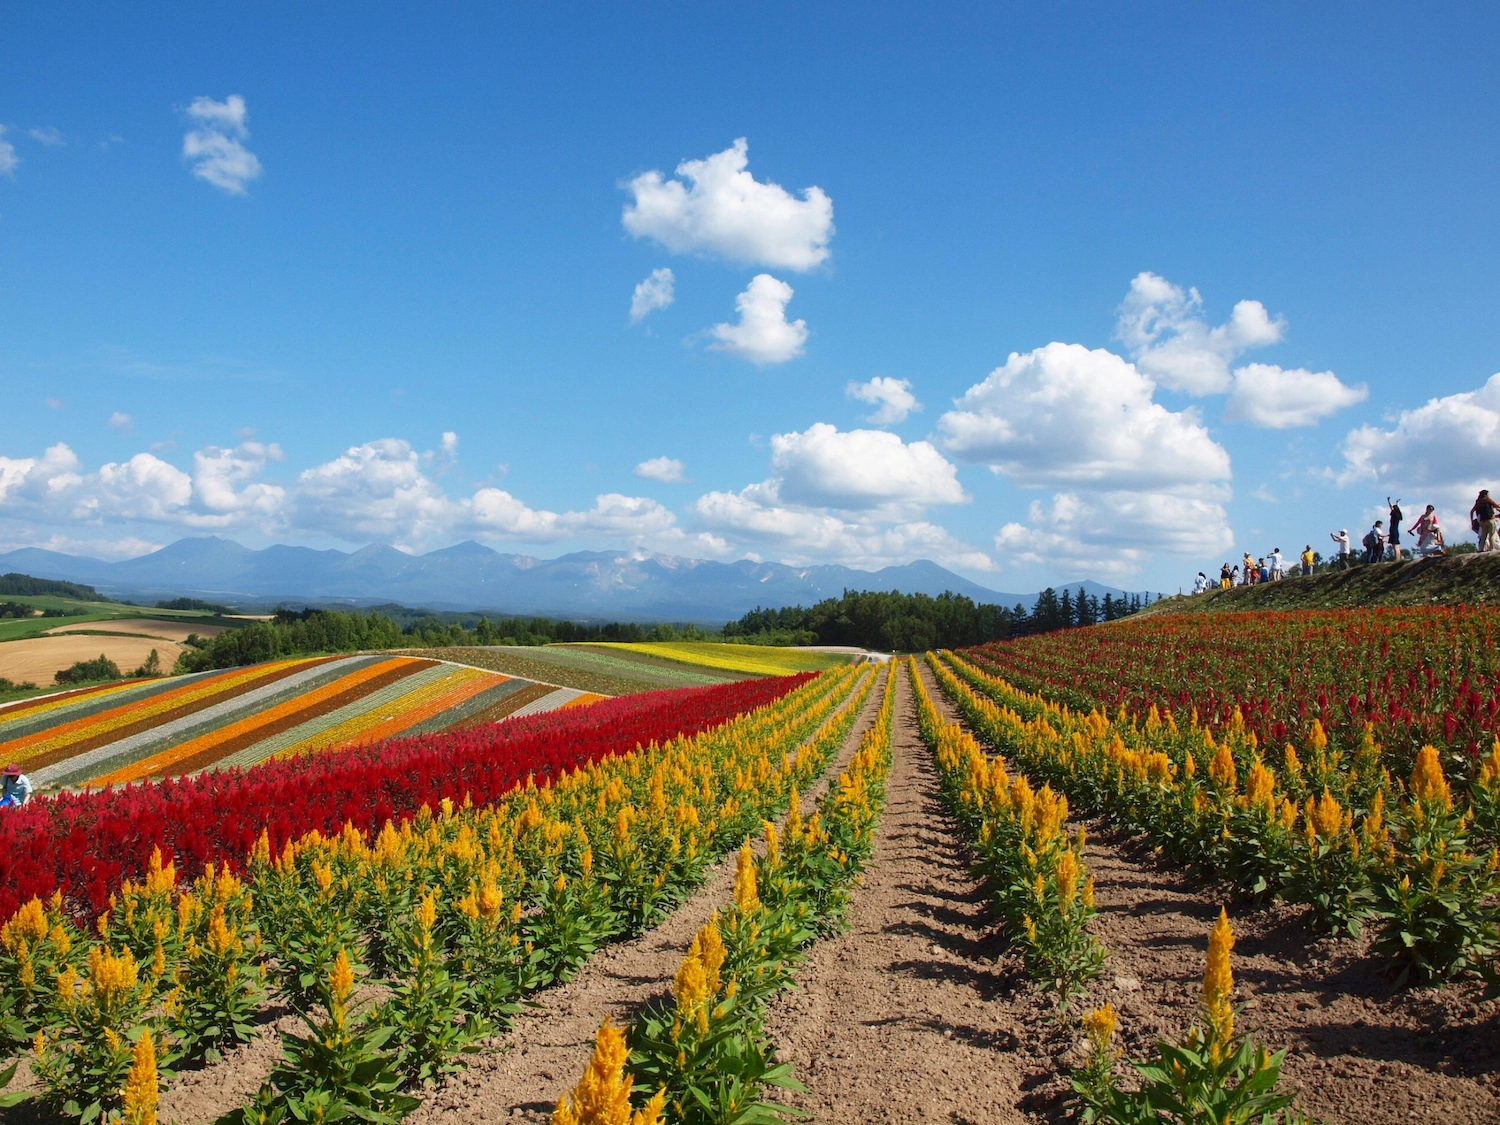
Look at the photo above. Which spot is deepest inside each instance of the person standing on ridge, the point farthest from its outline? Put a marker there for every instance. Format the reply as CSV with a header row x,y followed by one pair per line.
x,y
1276,564
1225,578
1308,559
1342,539
1482,518
1396,517
1374,542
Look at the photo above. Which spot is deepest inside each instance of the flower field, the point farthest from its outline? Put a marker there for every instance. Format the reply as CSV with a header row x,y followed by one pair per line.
x,y
85,844
454,884
170,727
1042,897
1415,676
758,660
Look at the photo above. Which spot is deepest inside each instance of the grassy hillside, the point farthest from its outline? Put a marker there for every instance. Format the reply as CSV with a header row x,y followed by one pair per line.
x,y
1455,580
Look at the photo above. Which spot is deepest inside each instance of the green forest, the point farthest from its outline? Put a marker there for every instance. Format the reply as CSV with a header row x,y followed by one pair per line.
x,y
917,622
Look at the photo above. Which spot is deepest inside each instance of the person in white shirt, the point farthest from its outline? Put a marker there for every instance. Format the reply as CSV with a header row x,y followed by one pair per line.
x,y
1342,539
1275,561
1200,583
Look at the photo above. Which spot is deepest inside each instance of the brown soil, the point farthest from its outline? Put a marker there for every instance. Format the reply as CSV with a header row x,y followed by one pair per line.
x,y
916,1014
142,627
37,659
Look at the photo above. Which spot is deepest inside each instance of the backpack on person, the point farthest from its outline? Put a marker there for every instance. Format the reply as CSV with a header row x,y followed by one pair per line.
x,y
1371,540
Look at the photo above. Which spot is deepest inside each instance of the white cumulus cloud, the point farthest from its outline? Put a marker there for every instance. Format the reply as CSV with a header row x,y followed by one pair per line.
x,y
655,292
1165,331
858,497
1065,415
215,147
667,470
1132,477
1277,398
763,334
1442,452
860,470
144,488
121,422
892,399
717,207
1113,533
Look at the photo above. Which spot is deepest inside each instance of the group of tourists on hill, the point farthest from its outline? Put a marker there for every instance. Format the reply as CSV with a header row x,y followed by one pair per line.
x,y
1381,542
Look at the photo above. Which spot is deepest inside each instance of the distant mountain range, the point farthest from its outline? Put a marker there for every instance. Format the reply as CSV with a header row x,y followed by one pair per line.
x,y
585,585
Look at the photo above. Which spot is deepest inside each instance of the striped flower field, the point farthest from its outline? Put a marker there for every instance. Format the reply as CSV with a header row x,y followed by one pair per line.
x,y
170,727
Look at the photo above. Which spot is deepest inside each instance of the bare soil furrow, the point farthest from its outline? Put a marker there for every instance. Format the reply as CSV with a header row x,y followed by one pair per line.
x,y
908,1016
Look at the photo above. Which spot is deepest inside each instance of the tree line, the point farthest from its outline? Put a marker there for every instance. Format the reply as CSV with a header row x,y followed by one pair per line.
x,y
916,622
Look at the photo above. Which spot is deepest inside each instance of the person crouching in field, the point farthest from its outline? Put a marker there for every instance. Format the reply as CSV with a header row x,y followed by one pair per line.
x,y
16,790
1429,534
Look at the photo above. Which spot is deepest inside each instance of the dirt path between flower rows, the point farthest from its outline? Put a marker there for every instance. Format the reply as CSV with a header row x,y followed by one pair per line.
x,y
545,1052
915,1014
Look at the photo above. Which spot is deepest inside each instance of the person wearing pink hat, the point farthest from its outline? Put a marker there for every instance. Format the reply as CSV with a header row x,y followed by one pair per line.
x,y
16,789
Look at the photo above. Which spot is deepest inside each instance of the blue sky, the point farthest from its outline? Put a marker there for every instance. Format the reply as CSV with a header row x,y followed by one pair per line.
x,y
1168,282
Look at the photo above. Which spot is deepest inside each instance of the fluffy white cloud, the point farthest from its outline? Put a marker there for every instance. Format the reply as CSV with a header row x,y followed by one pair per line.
x,y
1164,329
1065,415
1278,398
857,497
375,491
121,423
754,517
449,443
142,489
763,334
667,470
8,157
225,484
216,146
1132,477
892,399
1112,533
48,135
615,515
1443,452
652,294
861,470
722,209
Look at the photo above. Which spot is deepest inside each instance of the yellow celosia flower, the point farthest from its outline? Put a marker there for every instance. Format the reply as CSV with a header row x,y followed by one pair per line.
x,y
1428,784
746,893
140,1090
1326,817
1218,982
28,924
1067,878
1260,789
602,1096
1316,738
1489,771
427,912
341,978
1221,769
489,901
111,976
1100,1026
